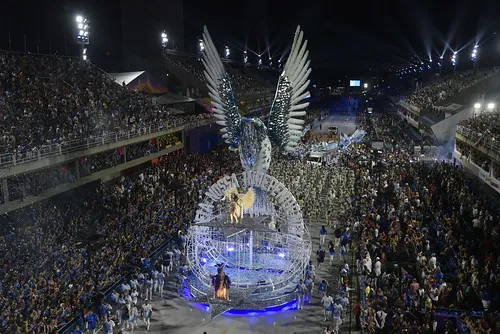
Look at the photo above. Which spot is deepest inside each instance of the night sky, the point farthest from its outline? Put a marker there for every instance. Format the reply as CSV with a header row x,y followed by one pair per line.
x,y
344,37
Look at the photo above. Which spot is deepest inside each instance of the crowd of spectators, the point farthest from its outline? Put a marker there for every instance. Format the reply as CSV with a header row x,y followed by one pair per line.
x,y
51,100
32,184
426,240
47,276
471,154
485,126
427,243
442,88
95,163
243,83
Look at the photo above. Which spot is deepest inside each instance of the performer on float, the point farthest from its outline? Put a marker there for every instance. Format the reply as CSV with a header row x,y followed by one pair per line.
x,y
221,283
238,202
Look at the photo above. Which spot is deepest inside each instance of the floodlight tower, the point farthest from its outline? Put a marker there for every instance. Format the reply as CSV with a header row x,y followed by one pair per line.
x,y
164,39
475,57
201,46
83,35
245,57
270,61
454,60
227,53
259,61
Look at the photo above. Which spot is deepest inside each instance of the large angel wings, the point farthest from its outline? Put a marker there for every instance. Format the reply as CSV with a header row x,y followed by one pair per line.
x,y
285,129
220,91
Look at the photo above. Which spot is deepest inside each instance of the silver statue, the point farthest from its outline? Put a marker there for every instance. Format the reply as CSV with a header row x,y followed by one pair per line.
x,y
250,135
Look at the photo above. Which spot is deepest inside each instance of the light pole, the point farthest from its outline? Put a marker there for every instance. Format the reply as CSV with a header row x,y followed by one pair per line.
x,y
477,108
83,35
201,46
454,60
164,39
474,57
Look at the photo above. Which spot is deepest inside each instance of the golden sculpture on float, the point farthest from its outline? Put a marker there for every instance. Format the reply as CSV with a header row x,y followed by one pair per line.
x,y
238,202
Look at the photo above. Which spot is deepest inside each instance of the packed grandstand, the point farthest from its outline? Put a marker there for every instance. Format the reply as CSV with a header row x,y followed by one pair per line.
x,y
415,247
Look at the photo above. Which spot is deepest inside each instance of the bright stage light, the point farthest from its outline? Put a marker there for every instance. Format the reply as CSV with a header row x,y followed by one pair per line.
x,y
365,85
80,25
230,249
204,260
477,105
79,19
164,38
491,106
226,52
282,255
201,46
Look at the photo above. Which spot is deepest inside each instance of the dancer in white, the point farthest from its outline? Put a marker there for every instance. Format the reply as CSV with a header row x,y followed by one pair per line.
x,y
149,288
147,310
161,283
133,317
327,301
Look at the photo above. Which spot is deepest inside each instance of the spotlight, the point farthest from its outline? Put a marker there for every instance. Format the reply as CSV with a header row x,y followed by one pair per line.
x,y
204,260
226,52
230,249
201,46
164,38
491,106
282,255
477,105
82,30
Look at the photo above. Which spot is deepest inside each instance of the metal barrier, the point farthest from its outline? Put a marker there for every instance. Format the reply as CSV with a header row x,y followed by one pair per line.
x,y
46,151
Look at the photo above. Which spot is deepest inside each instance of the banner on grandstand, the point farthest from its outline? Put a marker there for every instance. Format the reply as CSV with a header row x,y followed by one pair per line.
x,y
493,183
205,103
147,84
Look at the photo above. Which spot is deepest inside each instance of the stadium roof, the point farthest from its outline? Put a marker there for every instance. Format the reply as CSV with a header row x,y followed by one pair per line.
x,y
126,77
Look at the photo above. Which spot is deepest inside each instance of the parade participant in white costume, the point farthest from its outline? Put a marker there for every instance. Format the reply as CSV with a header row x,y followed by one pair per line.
x,y
161,283
169,261
134,313
147,311
148,285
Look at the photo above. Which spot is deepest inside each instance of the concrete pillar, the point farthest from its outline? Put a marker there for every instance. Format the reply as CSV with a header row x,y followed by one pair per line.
x,y
77,169
5,190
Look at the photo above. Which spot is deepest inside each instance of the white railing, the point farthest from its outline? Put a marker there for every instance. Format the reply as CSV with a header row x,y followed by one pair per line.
x,y
486,142
46,151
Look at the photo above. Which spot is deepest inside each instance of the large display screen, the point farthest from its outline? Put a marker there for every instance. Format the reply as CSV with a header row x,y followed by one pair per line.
x,y
354,83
